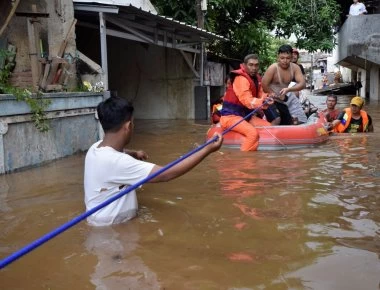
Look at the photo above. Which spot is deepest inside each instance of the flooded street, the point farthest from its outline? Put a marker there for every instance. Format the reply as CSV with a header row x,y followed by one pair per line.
x,y
295,219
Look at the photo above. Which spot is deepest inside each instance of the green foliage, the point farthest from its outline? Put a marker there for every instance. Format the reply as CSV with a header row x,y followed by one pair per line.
x,y
311,21
36,102
179,10
248,24
5,66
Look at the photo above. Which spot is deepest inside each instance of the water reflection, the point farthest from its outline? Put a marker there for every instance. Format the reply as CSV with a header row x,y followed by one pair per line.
x,y
4,190
117,267
347,263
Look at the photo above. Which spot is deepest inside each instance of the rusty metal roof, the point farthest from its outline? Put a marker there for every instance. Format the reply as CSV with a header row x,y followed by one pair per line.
x,y
149,18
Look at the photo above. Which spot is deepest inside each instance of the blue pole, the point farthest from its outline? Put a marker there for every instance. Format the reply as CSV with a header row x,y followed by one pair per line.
x,y
40,241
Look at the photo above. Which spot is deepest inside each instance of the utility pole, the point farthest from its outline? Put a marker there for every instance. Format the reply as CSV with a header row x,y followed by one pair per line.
x,y
311,73
200,9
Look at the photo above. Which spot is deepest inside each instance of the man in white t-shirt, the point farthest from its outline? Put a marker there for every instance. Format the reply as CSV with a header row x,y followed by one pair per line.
x,y
357,8
110,168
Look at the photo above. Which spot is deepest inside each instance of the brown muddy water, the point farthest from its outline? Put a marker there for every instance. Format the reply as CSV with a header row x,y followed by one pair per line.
x,y
295,219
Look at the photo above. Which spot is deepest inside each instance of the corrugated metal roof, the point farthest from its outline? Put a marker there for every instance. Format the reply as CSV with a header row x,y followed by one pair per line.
x,y
144,11
141,4
168,20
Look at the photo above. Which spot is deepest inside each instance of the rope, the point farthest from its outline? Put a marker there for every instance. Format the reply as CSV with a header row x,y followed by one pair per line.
x,y
40,241
270,133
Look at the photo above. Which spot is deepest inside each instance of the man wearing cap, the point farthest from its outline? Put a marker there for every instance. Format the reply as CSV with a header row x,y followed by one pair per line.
x,y
353,119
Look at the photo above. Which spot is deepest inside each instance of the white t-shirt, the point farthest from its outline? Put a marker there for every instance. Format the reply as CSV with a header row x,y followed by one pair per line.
x,y
107,172
357,9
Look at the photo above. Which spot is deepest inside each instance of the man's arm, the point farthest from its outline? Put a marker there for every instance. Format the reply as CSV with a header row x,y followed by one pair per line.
x,y
300,80
337,121
267,79
243,92
187,164
364,9
139,154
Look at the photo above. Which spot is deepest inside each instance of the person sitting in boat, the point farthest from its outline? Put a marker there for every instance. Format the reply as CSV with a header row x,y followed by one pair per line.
x,y
244,95
295,57
330,112
353,119
307,106
276,82
218,105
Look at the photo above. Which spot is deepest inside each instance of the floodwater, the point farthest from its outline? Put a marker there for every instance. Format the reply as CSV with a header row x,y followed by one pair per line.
x,y
296,219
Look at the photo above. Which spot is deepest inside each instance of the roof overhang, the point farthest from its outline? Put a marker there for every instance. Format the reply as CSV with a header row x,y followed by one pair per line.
x,y
136,24
354,62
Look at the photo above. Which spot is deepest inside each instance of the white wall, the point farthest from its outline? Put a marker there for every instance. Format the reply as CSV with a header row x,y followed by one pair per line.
x,y
346,74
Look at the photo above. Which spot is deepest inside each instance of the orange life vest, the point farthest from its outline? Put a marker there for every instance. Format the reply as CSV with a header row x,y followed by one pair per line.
x,y
343,125
231,103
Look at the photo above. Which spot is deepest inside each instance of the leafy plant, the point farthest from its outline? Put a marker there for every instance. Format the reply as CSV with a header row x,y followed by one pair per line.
x,y
36,102
5,66
249,25
311,21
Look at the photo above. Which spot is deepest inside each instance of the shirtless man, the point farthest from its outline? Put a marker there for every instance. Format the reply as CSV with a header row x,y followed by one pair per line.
x,y
276,82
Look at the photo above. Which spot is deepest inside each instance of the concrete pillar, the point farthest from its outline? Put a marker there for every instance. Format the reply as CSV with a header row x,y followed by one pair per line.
x,y
374,93
3,131
103,49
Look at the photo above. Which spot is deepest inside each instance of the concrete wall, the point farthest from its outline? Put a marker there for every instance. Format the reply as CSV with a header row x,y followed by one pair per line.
x,y
359,50
73,128
359,37
157,80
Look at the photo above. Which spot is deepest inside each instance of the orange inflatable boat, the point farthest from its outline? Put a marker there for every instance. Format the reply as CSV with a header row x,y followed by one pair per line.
x,y
281,137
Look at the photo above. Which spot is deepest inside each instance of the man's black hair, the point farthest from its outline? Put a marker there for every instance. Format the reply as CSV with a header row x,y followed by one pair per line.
x,y
285,48
250,56
333,96
114,112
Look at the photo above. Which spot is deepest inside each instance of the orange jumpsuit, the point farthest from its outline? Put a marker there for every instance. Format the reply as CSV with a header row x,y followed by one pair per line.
x,y
244,90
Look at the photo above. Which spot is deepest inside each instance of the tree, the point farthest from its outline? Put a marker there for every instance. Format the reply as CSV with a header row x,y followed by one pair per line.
x,y
249,24
313,22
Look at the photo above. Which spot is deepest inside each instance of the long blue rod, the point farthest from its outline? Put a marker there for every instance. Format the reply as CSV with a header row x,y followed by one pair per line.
x,y
23,251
